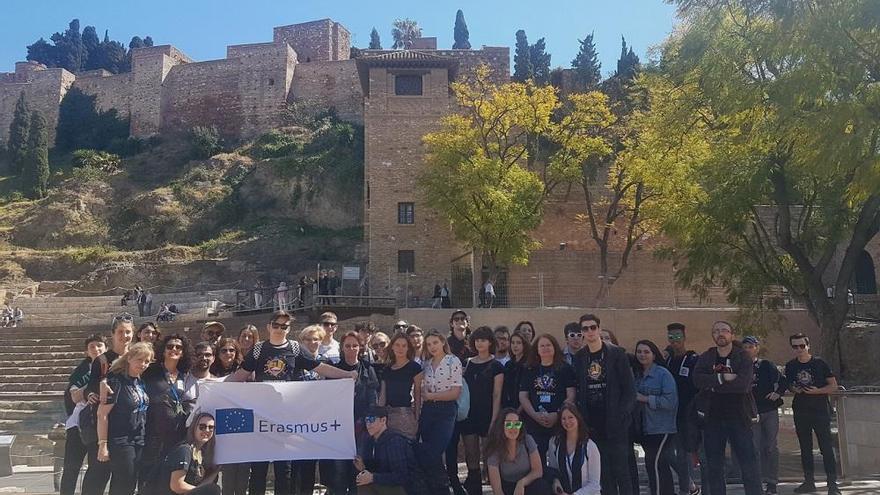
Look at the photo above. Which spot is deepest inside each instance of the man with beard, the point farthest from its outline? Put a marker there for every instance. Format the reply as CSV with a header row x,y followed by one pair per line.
x,y
723,375
204,358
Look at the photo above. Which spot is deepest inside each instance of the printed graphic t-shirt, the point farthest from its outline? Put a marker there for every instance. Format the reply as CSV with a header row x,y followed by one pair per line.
x,y
180,458
814,373
277,363
596,385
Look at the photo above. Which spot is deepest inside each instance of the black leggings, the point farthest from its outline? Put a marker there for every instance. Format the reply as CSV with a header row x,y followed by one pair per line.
x,y
74,454
657,457
804,426
124,463
98,473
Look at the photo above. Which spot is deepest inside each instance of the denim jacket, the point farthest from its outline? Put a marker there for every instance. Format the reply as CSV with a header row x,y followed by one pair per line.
x,y
659,413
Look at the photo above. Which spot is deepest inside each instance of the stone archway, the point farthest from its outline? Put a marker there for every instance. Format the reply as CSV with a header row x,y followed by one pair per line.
x,y
865,275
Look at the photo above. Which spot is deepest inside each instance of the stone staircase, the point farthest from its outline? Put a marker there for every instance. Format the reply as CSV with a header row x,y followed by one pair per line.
x,y
77,311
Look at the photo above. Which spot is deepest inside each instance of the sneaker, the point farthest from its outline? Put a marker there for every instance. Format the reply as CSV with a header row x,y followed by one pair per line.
x,y
833,489
695,491
806,487
771,489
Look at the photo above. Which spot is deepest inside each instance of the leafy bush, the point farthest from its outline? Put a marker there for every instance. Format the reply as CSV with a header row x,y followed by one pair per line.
x,y
205,141
107,163
88,174
81,125
275,144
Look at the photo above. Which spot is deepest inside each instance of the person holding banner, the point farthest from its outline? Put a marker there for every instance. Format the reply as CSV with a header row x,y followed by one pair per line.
x,y
388,464
401,387
303,471
279,359
189,467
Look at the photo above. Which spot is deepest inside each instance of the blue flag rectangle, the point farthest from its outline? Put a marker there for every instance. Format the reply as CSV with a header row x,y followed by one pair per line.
x,y
235,421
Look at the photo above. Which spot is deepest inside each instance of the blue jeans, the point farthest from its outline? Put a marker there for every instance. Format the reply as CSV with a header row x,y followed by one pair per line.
x,y
436,424
716,434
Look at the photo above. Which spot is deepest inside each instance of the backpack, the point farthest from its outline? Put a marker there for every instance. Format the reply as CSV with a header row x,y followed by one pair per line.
x,y
88,417
464,399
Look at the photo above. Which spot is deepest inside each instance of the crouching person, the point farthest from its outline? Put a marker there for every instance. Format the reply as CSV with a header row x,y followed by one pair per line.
x,y
189,467
388,461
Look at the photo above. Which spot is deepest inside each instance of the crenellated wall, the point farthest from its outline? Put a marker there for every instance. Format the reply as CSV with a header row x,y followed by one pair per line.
x,y
43,90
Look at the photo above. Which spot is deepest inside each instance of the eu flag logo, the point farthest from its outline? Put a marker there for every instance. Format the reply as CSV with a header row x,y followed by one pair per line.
x,y
235,421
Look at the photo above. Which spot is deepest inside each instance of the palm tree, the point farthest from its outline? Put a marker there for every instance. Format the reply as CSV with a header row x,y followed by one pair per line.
x,y
405,32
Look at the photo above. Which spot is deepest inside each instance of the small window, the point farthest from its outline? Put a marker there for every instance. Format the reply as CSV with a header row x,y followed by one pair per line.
x,y
406,213
408,85
406,261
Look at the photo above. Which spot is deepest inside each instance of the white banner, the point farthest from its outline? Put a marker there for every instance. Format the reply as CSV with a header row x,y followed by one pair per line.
x,y
279,421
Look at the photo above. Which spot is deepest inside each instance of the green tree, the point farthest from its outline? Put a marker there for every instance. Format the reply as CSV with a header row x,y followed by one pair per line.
x,y
762,138
540,60
81,125
19,128
586,65
91,45
404,32
36,172
628,63
485,172
43,52
522,58
460,32
375,42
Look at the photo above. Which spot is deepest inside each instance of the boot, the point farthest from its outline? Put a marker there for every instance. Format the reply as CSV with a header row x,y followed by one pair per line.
x,y
473,484
455,485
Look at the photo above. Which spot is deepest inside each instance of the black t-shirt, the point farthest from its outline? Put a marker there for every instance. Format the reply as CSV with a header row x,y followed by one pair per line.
x,y
682,369
725,406
510,392
99,370
399,384
546,386
459,348
128,418
181,458
366,387
480,378
596,386
169,406
277,363
815,373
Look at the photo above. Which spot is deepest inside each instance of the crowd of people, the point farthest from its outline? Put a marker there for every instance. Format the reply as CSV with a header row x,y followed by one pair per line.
x,y
11,318
534,417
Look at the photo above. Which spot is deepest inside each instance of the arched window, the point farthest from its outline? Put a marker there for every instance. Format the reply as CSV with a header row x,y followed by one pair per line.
x,y
866,277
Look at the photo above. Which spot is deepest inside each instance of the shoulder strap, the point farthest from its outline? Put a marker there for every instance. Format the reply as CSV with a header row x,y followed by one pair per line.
x,y
105,365
257,348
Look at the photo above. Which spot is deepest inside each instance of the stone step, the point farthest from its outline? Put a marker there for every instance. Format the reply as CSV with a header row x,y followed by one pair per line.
x,y
76,340
38,355
60,309
16,414
47,378
47,395
62,363
33,387
18,348
37,369
157,296
27,405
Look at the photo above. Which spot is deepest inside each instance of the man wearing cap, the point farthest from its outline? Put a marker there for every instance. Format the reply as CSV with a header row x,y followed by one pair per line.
x,y
768,386
680,361
388,462
212,331
329,347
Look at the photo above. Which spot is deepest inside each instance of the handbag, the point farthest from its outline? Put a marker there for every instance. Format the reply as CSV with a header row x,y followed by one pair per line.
x,y
464,398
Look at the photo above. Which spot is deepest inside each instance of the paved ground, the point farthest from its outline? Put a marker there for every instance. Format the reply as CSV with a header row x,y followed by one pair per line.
x,y
39,481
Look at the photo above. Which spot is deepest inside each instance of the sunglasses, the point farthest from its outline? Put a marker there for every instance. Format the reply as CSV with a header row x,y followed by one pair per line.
x,y
228,350
459,318
123,317
513,425
590,327
205,427
280,326
574,335
206,355
379,345
399,326
328,323
798,346
675,337
174,347
370,419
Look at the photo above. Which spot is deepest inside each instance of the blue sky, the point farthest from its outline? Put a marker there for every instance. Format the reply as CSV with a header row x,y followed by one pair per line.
x,y
203,28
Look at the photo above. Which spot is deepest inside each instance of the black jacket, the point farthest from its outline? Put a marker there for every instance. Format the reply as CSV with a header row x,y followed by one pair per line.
x,y
714,391
767,379
682,369
620,394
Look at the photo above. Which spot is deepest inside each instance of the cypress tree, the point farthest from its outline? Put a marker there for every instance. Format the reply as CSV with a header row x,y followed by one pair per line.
x,y
540,60
375,43
522,64
586,65
36,173
18,135
461,34
628,63
91,45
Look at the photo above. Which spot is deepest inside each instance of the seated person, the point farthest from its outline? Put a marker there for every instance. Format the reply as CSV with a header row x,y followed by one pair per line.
x,y
573,461
388,461
189,467
513,459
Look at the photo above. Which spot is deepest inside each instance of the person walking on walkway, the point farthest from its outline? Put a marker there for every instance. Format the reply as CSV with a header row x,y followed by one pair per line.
x,y
812,381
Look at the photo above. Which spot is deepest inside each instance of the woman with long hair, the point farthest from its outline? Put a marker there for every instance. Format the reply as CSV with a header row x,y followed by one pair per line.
x,y
366,393
519,352
122,417
189,468
526,328
512,457
148,332
545,385
418,339
441,388
573,461
228,359
401,386
247,337
657,398
485,378
172,392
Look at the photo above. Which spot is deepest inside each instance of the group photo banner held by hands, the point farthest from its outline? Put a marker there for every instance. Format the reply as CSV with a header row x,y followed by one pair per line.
x,y
280,421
